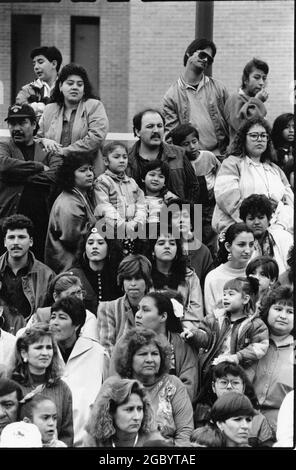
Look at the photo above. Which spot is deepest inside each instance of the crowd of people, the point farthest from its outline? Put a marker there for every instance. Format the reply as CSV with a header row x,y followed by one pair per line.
x,y
146,290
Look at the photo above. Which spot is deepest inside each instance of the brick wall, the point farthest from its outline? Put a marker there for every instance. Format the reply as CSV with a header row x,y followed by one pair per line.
x,y
56,29
142,46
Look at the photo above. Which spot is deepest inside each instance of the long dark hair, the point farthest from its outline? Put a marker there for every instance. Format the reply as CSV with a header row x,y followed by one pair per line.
x,y
238,147
163,304
179,263
71,69
277,129
230,235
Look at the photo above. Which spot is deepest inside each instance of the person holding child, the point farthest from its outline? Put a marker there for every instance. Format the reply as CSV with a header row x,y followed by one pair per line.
x,y
233,333
119,200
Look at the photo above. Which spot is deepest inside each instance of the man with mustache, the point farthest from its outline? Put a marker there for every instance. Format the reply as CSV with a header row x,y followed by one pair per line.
x,y
27,173
10,396
25,280
198,100
148,126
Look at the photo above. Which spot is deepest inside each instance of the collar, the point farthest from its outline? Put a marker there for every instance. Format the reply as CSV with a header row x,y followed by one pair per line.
x,y
265,165
282,342
242,93
41,84
138,156
28,265
120,178
204,80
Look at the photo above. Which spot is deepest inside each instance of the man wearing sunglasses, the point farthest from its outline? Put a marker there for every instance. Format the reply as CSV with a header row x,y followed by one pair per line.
x,y
199,100
249,100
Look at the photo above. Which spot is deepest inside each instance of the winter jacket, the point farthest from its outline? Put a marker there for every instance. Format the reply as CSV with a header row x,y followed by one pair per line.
x,y
249,339
119,199
89,129
240,107
35,283
237,179
176,108
182,179
70,218
15,172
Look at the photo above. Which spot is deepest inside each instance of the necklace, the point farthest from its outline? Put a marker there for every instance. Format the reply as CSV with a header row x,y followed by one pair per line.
x,y
263,178
134,445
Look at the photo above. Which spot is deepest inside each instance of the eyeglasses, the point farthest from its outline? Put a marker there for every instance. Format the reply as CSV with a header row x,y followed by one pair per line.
x,y
204,56
235,383
255,136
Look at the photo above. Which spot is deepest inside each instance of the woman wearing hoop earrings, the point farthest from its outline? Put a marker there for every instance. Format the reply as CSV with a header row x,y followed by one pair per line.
x,y
236,249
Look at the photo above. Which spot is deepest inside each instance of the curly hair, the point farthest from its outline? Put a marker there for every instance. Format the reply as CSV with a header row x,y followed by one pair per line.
x,y
283,294
20,371
132,342
254,205
230,235
17,222
279,125
71,69
66,172
239,144
113,393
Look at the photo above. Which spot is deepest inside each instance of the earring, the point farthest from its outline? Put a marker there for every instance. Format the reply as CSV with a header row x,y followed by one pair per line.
x,y
25,359
229,256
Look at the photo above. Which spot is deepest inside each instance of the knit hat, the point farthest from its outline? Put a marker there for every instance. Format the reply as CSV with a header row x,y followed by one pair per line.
x,y
20,434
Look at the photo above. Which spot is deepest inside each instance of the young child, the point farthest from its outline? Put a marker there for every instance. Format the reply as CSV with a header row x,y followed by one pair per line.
x,y
266,270
233,333
206,165
118,197
42,412
155,178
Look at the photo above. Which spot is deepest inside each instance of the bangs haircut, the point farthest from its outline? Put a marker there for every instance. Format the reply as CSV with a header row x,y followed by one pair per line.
x,y
245,285
157,165
283,295
268,265
231,405
134,266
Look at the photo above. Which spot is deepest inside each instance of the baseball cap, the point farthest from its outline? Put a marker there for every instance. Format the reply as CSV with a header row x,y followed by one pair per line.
x,y
20,111
21,434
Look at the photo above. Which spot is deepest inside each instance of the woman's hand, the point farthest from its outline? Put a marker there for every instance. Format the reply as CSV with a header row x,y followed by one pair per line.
x,y
50,145
186,334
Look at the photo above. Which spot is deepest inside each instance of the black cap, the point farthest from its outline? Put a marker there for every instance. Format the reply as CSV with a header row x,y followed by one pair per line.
x,y
20,111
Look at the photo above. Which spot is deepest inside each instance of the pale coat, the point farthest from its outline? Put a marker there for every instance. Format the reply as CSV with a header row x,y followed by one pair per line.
x,y
237,179
84,373
89,131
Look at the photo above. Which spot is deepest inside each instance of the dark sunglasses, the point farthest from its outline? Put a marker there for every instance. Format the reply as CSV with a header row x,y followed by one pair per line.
x,y
204,56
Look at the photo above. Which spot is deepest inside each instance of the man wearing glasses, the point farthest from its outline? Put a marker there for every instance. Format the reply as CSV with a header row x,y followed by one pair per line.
x,y
248,101
198,99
